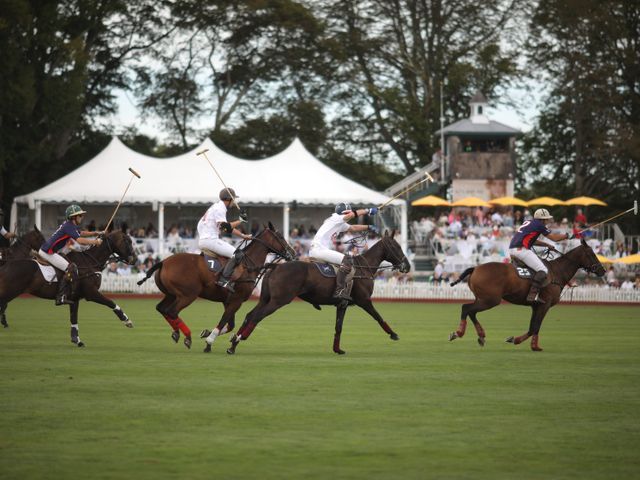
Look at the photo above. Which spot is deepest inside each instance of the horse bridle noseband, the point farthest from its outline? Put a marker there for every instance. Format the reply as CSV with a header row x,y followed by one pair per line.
x,y
288,256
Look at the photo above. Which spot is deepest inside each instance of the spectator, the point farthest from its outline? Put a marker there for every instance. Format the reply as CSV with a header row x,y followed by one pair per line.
x,y
612,281
112,268
627,284
438,273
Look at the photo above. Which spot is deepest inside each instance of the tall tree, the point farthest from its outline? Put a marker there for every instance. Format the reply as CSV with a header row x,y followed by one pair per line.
x,y
393,56
61,62
587,139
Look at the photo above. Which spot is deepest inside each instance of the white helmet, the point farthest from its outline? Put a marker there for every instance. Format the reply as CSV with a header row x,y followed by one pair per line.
x,y
542,214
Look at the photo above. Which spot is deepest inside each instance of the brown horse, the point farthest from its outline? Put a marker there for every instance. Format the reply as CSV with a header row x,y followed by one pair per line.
x,y
492,282
22,246
183,277
24,276
304,280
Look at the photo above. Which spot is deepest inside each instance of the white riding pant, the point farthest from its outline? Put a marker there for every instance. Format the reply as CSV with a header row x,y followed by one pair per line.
x,y
529,258
326,254
218,246
54,259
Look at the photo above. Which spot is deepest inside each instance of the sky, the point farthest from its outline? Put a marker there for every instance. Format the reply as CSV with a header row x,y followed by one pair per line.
x,y
521,117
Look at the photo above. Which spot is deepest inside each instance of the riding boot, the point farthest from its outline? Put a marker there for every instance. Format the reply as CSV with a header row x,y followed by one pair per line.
x,y
536,285
341,280
64,287
227,272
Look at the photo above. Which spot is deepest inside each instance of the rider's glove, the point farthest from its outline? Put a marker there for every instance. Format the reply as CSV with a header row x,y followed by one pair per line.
x,y
372,210
372,228
244,216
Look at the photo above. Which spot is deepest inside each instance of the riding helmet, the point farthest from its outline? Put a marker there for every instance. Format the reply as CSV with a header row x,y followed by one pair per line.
x,y
228,194
342,207
542,214
73,210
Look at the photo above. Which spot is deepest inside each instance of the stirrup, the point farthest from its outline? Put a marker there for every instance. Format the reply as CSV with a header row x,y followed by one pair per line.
x,y
63,300
228,284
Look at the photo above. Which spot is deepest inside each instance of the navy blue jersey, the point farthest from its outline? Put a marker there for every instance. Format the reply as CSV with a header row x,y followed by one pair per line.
x,y
528,233
60,237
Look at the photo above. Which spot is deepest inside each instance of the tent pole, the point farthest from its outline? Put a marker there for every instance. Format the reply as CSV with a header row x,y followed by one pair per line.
x,y
285,221
160,227
403,227
14,217
38,220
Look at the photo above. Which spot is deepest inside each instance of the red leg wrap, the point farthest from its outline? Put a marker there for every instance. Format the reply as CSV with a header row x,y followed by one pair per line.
x,y
461,328
479,330
246,331
521,338
183,328
534,344
172,321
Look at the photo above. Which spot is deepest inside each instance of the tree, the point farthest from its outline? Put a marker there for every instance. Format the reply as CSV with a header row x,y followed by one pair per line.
x,y
61,62
587,139
393,56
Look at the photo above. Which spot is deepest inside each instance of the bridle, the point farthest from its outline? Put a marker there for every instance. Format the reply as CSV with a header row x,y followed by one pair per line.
x,y
288,254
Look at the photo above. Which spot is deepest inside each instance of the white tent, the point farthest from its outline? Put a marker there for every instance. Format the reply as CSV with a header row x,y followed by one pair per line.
x,y
294,174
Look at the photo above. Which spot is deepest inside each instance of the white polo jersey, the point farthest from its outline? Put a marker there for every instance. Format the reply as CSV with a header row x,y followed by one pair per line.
x,y
3,232
208,225
331,227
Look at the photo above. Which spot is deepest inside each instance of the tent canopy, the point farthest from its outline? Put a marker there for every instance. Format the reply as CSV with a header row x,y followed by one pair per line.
x,y
293,174
585,201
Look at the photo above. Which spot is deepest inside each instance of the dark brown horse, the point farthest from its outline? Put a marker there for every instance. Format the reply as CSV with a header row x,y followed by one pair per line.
x,y
24,276
492,282
183,277
22,246
303,279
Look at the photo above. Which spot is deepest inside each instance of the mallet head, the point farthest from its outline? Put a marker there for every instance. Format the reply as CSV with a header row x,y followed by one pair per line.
x,y
635,207
202,152
134,172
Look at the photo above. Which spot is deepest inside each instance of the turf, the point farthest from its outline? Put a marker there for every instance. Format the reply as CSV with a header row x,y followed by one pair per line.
x,y
132,404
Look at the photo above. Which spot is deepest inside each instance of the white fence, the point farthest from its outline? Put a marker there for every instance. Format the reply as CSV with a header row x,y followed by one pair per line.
x,y
414,291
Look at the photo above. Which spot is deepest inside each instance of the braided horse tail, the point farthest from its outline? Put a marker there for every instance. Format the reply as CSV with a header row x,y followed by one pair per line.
x,y
156,266
464,275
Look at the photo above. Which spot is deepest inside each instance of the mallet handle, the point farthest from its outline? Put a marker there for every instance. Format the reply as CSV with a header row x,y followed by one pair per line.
x,y
608,219
429,177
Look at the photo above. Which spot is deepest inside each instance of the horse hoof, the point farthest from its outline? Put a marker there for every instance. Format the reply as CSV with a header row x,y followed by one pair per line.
x,y
175,336
207,348
510,340
394,336
536,349
187,342
205,333
340,352
231,351
453,336
481,341
128,324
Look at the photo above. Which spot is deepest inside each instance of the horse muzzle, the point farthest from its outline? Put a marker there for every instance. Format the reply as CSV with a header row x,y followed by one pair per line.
x,y
405,266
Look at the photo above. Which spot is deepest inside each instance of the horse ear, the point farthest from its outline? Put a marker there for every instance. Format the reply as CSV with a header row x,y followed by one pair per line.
x,y
271,226
35,227
583,242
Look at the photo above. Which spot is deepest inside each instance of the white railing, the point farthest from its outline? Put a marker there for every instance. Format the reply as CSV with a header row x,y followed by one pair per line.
x,y
413,291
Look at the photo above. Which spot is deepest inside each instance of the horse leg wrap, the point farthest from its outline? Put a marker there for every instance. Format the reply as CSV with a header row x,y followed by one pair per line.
x,y
534,344
172,321
246,331
479,330
461,328
183,327
212,336
521,338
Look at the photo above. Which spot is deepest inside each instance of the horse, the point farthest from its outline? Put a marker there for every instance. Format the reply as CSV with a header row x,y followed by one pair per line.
x,y
493,281
303,279
183,277
22,246
24,276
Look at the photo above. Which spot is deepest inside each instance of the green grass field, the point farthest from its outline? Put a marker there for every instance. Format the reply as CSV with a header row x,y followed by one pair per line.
x,y
132,404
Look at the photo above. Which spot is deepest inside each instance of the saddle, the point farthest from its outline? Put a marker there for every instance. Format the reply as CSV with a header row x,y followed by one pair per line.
x,y
525,272
212,260
330,270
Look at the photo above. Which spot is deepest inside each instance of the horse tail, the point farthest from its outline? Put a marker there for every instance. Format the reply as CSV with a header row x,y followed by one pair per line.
x,y
464,275
154,267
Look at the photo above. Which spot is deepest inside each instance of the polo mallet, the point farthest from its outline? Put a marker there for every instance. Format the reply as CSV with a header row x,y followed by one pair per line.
x,y
235,200
428,177
121,198
634,209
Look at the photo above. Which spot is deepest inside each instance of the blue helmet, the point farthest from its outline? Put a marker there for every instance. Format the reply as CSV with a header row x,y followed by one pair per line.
x,y
342,207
